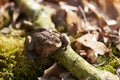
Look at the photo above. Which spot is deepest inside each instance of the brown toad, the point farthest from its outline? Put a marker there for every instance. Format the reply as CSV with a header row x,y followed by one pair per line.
x,y
43,42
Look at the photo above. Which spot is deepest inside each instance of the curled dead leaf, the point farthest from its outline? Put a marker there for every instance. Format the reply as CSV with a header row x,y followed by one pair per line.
x,y
90,40
86,53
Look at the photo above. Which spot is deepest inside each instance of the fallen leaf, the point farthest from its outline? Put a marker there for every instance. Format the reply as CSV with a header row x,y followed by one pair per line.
x,y
93,8
87,53
54,70
116,4
56,1
111,8
90,40
102,23
3,2
74,25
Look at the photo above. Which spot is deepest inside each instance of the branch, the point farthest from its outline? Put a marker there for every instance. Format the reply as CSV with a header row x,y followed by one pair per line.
x,y
41,15
79,67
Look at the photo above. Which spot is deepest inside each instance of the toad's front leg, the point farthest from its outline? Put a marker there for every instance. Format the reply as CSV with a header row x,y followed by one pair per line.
x,y
65,40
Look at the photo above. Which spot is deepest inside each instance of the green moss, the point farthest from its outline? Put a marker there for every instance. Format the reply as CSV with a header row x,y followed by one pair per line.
x,y
13,64
8,48
108,68
114,49
26,70
115,63
112,63
62,28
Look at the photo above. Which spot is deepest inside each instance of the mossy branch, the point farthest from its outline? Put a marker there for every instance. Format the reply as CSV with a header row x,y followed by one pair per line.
x,y
41,15
79,67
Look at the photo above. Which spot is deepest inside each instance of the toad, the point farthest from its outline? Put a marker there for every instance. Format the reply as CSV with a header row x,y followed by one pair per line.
x,y
43,42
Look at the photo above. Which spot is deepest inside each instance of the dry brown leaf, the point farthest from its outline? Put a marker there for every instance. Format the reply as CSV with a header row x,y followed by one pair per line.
x,y
85,52
116,4
90,40
3,2
93,8
92,58
73,21
102,23
74,2
54,70
74,25
56,1
59,20
111,7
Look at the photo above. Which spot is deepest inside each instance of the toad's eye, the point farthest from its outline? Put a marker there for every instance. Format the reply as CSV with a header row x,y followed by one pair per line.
x,y
57,40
